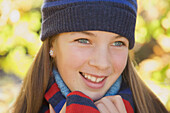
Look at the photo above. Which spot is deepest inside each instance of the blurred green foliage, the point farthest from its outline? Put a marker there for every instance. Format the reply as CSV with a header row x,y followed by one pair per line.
x,y
19,35
20,24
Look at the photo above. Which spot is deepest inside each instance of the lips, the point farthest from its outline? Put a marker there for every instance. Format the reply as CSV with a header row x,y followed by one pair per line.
x,y
92,78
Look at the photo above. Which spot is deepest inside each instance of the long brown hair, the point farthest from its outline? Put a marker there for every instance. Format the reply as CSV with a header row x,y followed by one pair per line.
x,y
31,95
34,85
145,100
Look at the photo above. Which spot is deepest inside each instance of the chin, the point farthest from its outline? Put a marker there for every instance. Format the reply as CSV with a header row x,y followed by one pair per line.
x,y
94,96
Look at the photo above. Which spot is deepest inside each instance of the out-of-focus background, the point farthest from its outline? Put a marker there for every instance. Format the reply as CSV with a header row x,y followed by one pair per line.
x,y
20,24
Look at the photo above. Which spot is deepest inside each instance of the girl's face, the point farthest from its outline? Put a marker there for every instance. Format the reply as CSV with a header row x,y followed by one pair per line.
x,y
90,61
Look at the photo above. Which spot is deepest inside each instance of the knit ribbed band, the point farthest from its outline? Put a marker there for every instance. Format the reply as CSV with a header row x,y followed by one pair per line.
x,y
117,16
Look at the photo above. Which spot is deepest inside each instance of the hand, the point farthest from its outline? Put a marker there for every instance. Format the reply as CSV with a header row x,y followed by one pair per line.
x,y
51,109
111,104
63,110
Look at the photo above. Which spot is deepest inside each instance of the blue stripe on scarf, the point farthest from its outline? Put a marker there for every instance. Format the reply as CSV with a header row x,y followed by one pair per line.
x,y
64,2
56,98
127,91
76,99
59,106
126,94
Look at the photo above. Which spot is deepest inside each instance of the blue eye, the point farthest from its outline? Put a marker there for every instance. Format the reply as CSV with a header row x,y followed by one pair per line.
x,y
118,43
83,41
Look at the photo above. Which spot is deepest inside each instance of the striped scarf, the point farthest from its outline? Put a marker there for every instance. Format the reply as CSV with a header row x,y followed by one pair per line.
x,y
77,102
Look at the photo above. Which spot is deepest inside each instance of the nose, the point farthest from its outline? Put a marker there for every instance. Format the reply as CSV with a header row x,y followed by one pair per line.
x,y
100,58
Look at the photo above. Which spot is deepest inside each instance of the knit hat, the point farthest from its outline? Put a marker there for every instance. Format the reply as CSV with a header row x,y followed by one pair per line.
x,y
117,16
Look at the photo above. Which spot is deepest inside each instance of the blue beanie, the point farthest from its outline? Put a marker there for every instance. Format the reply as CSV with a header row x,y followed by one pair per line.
x,y
117,16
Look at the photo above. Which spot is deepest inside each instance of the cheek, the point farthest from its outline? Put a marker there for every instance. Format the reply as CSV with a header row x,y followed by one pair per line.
x,y
70,62
119,61
76,57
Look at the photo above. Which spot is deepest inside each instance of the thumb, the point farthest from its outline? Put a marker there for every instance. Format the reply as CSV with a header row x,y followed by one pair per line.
x,y
51,109
63,110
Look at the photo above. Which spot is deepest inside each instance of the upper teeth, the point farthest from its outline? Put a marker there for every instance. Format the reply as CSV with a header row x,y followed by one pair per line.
x,y
93,78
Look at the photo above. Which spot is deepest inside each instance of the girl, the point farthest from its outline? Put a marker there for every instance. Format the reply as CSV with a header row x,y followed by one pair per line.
x,y
83,65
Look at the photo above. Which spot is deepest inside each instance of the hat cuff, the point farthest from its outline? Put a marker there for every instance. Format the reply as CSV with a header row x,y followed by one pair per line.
x,y
90,17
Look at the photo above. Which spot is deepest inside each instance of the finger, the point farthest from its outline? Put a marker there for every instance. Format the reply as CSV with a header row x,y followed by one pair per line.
x,y
63,110
51,109
102,108
109,105
118,102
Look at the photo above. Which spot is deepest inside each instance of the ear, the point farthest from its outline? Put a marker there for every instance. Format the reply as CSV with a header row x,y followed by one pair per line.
x,y
52,52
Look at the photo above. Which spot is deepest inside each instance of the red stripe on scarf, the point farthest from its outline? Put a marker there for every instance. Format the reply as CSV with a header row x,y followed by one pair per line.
x,y
51,91
77,108
128,106
48,111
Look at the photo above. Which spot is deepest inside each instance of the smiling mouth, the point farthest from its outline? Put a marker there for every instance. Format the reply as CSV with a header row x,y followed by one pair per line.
x,y
92,78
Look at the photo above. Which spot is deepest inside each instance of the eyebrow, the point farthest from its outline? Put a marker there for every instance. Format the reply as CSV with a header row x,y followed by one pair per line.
x,y
118,36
